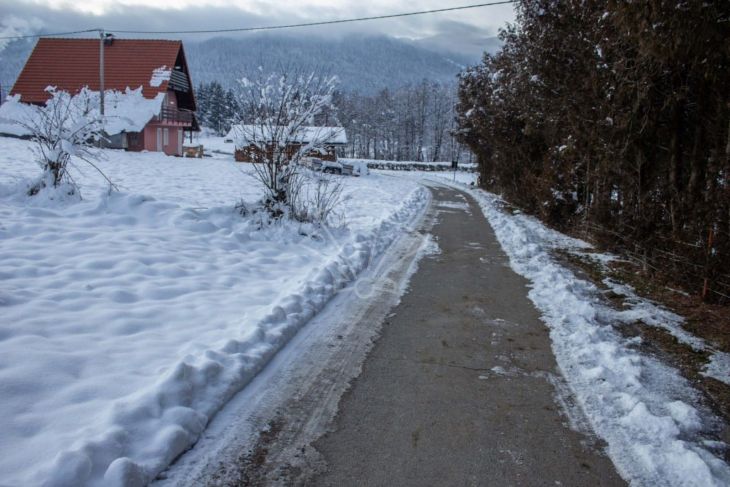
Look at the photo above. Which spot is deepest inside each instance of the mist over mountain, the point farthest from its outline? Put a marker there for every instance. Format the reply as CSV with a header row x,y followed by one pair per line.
x,y
364,64
470,46
12,60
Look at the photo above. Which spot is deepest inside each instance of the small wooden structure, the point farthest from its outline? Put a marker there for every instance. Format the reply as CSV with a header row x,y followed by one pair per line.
x,y
249,140
193,151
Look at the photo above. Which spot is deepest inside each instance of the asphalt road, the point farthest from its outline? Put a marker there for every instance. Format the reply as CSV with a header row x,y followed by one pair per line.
x,y
461,387
453,384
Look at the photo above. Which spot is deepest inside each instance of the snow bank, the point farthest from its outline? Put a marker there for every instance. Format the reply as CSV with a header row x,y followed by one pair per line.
x,y
646,412
128,321
12,112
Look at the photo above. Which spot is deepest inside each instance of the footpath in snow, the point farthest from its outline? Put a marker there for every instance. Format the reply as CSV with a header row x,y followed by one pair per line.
x,y
650,416
129,319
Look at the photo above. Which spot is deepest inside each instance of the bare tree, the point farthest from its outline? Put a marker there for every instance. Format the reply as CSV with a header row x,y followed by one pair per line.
x,y
275,126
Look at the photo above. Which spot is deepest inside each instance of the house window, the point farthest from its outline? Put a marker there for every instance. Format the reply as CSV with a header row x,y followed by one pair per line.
x,y
165,136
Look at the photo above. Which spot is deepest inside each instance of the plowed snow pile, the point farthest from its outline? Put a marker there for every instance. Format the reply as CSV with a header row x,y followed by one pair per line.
x,y
657,430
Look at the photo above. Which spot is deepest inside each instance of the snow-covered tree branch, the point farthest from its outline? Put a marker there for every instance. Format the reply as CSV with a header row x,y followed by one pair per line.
x,y
66,126
277,112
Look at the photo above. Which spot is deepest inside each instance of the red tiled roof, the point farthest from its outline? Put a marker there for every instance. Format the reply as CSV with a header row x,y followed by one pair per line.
x,y
71,64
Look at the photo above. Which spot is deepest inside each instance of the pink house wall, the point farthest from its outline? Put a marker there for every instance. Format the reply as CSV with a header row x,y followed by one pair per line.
x,y
175,135
147,139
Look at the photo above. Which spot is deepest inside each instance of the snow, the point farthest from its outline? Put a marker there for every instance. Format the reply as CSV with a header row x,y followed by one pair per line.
x,y
160,75
246,134
359,168
213,144
639,309
649,415
718,367
130,318
11,112
127,111
460,177
650,313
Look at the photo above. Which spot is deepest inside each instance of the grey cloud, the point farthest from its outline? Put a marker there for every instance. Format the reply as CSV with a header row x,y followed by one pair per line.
x,y
203,17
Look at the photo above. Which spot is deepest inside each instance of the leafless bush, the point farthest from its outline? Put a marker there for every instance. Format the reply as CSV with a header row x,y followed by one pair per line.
x,y
319,197
66,126
273,127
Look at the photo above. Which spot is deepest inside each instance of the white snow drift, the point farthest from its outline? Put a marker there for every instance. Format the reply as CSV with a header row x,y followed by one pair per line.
x,y
129,319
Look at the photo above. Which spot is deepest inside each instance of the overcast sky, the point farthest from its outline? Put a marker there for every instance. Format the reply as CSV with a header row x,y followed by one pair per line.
x,y
31,16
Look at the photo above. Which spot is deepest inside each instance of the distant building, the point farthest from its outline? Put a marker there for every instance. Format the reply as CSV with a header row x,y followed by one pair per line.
x,y
250,139
156,67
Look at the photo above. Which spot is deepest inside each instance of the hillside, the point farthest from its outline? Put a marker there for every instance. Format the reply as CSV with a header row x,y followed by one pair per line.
x,y
364,64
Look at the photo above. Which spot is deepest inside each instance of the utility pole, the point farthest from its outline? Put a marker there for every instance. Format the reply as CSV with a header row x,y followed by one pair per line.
x,y
101,71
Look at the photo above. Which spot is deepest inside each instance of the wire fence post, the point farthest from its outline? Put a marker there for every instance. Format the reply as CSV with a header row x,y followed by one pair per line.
x,y
708,256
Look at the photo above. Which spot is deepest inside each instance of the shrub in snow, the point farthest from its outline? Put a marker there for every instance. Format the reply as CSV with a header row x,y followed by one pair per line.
x,y
275,112
320,196
66,126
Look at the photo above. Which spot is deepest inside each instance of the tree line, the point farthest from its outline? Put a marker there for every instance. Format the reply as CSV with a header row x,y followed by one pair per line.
x,y
614,117
412,123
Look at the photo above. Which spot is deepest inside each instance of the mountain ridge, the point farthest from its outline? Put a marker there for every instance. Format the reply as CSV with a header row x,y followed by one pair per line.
x,y
364,64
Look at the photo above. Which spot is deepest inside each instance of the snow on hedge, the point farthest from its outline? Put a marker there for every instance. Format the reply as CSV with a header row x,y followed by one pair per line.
x,y
129,319
125,111
657,433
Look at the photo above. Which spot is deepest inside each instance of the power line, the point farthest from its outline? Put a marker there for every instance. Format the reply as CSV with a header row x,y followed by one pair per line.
x,y
273,27
30,36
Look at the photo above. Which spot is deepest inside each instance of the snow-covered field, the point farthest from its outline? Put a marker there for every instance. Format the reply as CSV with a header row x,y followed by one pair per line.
x,y
129,319
657,431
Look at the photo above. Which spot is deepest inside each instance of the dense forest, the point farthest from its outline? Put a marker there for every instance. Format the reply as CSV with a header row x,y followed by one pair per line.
x,y
614,118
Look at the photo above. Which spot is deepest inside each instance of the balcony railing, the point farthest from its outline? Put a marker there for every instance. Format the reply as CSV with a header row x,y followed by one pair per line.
x,y
174,115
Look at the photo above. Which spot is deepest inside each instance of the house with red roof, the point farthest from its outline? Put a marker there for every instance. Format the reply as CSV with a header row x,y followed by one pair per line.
x,y
155,67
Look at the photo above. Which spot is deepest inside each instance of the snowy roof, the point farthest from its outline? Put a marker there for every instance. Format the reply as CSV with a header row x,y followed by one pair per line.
x,y
129,111
125,111
159,75
72,64
245,134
